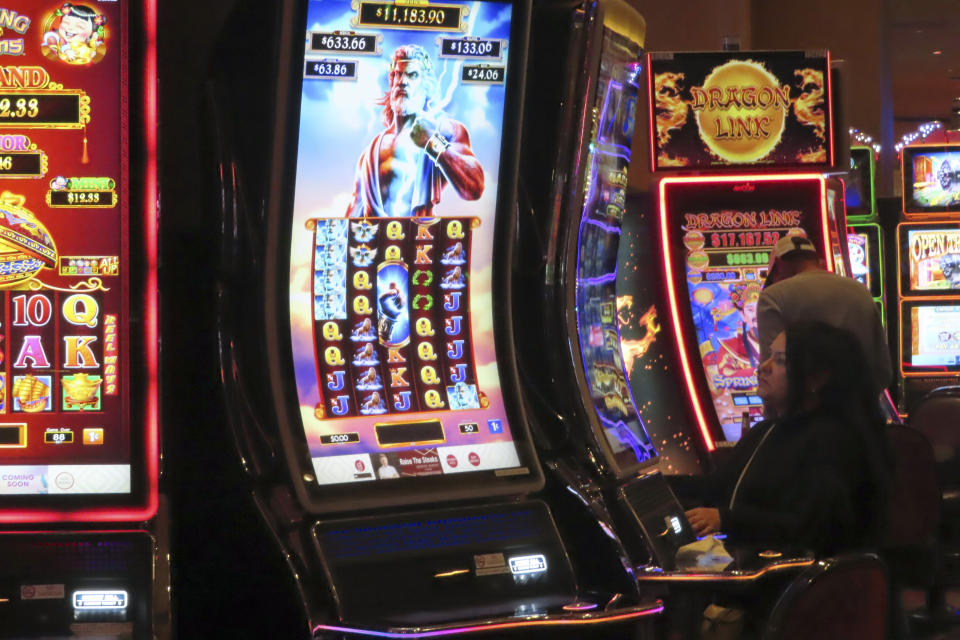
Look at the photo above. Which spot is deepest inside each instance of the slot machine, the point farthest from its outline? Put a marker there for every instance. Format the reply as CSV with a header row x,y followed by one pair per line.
x,y
369,370
758,129
83,528
865,236
928,260
606,407
591,430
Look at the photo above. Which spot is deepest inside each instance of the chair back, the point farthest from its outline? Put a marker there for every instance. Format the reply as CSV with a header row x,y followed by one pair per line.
x,y
913,513
937,416
842,598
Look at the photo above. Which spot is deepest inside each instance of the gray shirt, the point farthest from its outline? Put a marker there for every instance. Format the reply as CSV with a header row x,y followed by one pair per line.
x,y
822,296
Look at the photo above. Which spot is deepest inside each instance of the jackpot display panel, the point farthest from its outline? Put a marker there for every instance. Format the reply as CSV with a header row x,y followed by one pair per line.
x,y
392,263
717,234
78,412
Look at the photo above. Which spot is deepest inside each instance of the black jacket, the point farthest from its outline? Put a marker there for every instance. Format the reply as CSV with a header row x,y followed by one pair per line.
x,y
814,482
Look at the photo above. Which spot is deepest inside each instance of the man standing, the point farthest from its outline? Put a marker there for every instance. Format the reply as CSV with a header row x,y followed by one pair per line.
x,y
800,290
405,168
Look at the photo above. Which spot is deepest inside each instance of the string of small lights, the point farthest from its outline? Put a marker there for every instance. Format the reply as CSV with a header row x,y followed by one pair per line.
x,y
922,132
861,138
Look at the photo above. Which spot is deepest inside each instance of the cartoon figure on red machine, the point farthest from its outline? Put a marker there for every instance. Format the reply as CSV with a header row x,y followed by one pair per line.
x,y
404,170
75,34
737,354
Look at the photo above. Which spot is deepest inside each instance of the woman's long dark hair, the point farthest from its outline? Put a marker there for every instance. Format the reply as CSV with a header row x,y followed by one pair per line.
x,y
816,348
847,395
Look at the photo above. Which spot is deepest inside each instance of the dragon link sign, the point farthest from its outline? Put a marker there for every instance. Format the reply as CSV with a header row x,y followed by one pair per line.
x,y
741,110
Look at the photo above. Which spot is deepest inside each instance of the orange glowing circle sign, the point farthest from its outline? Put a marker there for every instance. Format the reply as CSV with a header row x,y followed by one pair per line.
x,y
741,110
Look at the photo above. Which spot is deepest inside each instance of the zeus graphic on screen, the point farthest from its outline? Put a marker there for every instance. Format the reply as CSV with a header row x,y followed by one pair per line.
x,y
406,167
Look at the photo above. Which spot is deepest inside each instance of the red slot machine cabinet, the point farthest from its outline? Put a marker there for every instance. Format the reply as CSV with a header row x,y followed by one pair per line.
x,y
717,233
378,353
83,548
928,261
745,162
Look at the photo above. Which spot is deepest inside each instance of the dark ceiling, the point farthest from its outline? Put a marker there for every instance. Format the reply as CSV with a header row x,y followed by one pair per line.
x,y
925,84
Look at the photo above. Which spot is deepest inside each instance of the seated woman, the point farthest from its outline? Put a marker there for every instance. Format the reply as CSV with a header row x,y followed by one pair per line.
x,y
813,474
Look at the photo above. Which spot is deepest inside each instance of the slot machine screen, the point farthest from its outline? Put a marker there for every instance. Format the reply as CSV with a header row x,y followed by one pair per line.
x,y
70,259
931,179
859,246
931,337
929,259
616,421
392,278
720,233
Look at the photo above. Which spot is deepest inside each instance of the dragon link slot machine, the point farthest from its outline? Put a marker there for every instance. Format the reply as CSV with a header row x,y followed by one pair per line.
x,y
82,547
928,257
745,136
375,395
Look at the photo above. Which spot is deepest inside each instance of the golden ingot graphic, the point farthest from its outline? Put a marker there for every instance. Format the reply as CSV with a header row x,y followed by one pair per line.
x,y
32,394
25,244
693,240
741,110
81,389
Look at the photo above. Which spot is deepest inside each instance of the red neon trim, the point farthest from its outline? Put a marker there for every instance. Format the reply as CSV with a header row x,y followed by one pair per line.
x,y
833,131
825,225
668,266
653,121
152,313
675,313
657,609
151,321
59,532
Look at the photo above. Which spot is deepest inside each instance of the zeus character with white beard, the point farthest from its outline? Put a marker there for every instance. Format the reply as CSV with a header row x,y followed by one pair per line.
x,y
404,169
